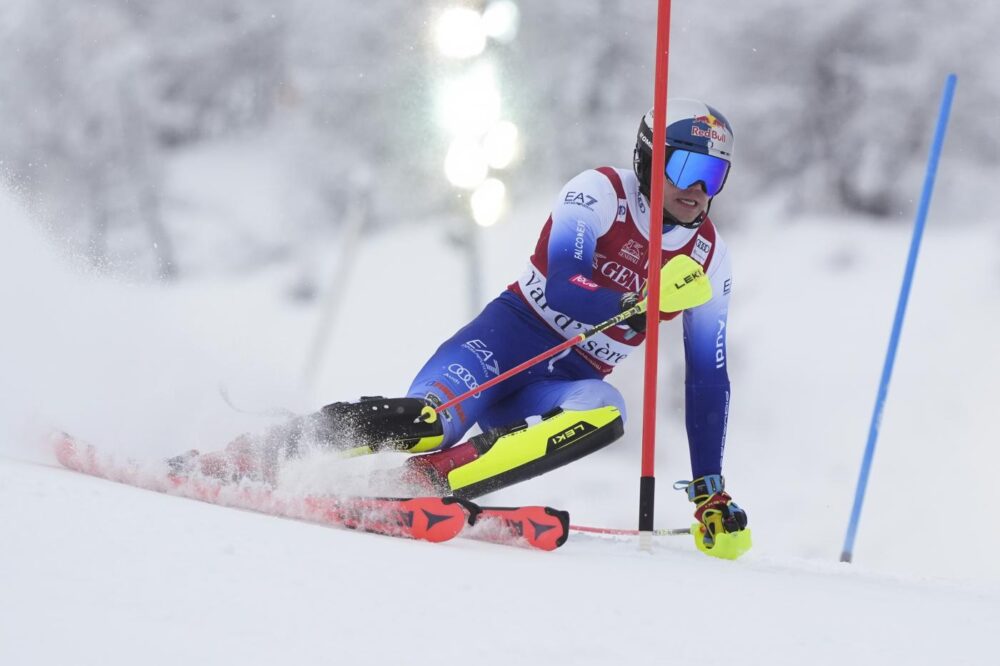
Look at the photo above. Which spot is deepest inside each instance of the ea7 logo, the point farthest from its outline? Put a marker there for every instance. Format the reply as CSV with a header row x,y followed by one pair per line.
x,y
570,435
580,199
486,360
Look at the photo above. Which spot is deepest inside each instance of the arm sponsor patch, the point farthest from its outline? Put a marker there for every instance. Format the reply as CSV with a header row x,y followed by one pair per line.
x,y
580,281
580,199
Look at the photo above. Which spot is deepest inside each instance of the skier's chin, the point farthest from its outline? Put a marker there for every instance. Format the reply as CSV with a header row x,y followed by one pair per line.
x,y
685,215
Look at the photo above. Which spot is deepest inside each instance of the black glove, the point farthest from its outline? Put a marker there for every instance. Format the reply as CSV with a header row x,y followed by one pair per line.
x,y
636,322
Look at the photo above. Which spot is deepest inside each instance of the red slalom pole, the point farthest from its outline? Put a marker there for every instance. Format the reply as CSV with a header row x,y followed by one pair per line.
x,y
647,482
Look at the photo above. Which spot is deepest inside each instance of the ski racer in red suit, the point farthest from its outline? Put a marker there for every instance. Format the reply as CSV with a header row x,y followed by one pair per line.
x,y
590,263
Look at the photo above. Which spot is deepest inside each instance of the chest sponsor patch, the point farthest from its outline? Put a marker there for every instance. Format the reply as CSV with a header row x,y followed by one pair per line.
x,y
702,246
632,250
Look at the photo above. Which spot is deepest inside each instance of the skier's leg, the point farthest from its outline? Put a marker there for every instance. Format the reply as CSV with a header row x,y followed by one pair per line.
x,y
469,358
548,424
352,428
544,396
495,341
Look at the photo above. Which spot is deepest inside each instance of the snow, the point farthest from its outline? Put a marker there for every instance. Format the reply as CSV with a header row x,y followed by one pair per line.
x,y
105,574
96,573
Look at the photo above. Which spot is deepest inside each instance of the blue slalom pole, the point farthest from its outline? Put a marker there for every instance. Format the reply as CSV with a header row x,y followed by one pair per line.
x,y
904,295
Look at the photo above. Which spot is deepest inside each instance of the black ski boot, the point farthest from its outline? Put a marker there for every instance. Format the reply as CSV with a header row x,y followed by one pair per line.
x,y
377,424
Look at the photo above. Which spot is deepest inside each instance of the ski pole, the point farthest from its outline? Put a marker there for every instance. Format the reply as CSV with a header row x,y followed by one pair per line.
x,y
687,287
663,531
847,554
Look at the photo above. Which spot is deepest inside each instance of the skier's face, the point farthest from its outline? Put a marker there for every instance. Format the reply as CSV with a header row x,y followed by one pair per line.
x,y
685,205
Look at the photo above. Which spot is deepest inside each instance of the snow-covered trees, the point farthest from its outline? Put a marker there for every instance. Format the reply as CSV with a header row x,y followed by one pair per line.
x,y
833,104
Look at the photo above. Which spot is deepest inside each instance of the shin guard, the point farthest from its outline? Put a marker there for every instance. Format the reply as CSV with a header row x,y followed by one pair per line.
x,y
497,459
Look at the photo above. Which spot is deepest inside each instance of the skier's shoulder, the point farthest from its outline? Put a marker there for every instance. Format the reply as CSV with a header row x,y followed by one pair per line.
x,y
601,180
709,241
592,195
711,232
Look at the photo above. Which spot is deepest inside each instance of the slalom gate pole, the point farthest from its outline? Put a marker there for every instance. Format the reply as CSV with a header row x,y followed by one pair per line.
x,y
647,481
847,553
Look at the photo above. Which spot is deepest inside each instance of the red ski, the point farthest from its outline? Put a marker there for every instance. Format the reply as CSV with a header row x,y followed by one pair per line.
x,y
539,527
433,519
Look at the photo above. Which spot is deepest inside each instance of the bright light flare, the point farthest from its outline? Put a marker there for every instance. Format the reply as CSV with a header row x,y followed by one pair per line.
x,y
470,104
459,33
500,20
488,202
465,164
501,144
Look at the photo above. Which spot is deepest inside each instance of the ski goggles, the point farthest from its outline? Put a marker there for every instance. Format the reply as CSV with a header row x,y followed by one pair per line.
x,y
685,168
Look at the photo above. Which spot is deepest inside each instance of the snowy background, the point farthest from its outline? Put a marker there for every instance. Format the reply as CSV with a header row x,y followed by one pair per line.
x,y
189,187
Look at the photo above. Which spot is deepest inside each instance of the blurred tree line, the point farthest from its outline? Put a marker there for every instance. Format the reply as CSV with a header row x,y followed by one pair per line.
x,y
832,104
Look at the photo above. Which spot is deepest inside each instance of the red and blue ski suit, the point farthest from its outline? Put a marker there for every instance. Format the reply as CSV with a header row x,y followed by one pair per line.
x,y
592,250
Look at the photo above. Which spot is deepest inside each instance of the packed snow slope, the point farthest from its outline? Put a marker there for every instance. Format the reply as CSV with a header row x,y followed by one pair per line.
x,y
96,573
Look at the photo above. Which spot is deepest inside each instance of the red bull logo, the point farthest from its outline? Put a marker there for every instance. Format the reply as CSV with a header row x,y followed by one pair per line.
x,y
713,128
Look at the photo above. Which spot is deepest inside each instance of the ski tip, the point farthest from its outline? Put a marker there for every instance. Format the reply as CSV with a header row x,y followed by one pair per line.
x,y
540,527
433,519
563,518
65,448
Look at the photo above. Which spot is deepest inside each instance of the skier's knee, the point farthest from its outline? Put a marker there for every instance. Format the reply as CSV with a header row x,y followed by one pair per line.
x,y
591,394
507,456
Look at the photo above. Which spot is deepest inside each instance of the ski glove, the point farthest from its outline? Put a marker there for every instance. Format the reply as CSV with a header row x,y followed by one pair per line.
x,y
636,322
715,509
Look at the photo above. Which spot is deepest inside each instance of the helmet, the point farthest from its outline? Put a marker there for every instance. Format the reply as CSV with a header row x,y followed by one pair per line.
x,y
691,125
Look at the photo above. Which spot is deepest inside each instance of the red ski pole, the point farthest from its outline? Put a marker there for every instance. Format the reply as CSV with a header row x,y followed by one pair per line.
x,y
686,287
638,308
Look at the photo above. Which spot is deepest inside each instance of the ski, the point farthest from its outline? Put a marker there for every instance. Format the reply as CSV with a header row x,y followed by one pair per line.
x,y
433,519
540,527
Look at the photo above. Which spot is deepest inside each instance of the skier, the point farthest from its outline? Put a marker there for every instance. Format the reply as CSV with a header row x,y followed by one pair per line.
x,y
589,265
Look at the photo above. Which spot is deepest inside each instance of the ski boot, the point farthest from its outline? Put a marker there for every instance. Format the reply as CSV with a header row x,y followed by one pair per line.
x,y
243,458
348,428
376,424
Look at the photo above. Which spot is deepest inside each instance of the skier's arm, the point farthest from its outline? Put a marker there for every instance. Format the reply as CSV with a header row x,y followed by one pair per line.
x,y
707,382
585,210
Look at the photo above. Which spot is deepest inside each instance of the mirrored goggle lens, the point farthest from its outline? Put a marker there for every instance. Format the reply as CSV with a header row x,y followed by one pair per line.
x,y
685,168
